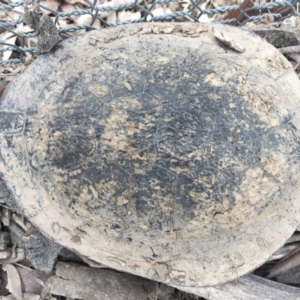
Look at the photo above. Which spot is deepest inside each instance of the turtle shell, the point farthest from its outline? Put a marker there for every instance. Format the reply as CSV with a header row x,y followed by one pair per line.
x,y
158,149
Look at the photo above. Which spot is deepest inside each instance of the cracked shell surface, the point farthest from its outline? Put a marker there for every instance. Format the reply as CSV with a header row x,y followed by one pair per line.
x,y
156,150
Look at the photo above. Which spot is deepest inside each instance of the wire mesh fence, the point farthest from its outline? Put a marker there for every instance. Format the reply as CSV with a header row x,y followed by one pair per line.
x,y
71,17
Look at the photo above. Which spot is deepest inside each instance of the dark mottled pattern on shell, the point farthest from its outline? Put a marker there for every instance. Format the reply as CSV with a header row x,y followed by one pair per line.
x,y
153,153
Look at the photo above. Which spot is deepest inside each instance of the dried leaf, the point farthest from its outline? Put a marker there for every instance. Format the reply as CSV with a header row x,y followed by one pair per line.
x,y
128,16
161,270
291,23
32,280
28,296
16,256
2,89
166,292
48,35
296,58
86,20
92,263
290,49
19,220
89,283
227,40
41,251
51,4
291,277
152,291
14,281
294,238
67,7
40,282
247,5
8,297
158,11
112,17
6,35
7,54
6,215
5,254
282,252
62,24
290,261
205,17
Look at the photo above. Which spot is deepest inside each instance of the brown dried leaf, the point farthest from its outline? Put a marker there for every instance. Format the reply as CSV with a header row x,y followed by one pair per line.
x,y
2,89
65,7
51,4
14,281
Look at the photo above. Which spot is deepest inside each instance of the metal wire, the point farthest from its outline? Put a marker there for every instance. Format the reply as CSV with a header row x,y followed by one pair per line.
x,y
248,11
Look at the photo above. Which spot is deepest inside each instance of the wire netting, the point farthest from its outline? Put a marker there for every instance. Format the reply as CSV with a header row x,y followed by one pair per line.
x,y
75,16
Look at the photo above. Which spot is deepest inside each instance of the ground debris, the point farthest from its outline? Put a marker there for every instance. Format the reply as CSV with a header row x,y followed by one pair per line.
x,y
48,35
283,251
226,38
290,277
288,262
32,281
13,281
41,252
279,38
81,282
249,287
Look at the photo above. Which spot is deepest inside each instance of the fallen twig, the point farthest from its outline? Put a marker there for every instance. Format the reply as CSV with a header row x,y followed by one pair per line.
x,y
290,261
290,49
